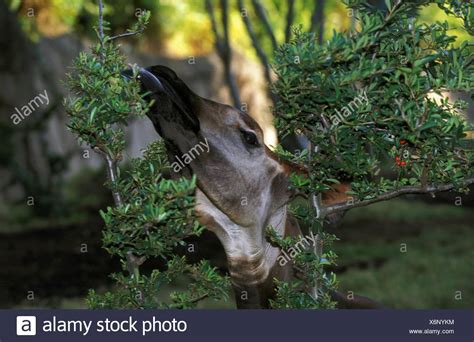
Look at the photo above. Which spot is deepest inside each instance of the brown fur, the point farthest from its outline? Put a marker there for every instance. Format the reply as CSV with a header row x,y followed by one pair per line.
x,y
228,173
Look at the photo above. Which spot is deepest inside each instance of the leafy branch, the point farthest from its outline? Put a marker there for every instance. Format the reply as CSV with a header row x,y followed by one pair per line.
x,y
405,190
364,102
152,216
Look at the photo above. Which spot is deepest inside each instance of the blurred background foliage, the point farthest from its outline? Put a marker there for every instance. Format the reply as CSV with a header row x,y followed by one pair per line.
x,y
183,28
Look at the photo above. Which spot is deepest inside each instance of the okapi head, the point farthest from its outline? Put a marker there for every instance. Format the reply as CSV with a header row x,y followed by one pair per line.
x,y
242,187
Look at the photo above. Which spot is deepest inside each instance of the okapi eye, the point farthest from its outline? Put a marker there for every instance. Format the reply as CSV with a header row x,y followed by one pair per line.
x,y
250,138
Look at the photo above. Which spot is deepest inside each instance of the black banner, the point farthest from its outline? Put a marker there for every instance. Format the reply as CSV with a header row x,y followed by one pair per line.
x,y
233,325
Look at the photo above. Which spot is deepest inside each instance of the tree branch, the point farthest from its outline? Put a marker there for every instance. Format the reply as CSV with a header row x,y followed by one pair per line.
x,y
318,206
318,250
210,11
123,35
258,49
290,15
101,29
261,13
316,198
134,263
112,175
317,20
406,190
234,89
198,299
111,164
223,48
101,21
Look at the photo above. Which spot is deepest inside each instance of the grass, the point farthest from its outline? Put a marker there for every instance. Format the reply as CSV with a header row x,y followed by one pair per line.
x,y
434,271
80,303
407,211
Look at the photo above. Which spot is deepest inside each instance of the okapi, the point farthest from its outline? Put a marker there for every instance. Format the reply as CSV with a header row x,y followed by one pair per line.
x,y
242,186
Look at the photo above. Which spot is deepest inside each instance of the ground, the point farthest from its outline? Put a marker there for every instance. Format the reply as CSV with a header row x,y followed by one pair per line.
x,y
437,264
436,271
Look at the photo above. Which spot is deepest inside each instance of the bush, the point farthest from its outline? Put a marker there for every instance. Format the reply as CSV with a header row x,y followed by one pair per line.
x,y
364,98
152,215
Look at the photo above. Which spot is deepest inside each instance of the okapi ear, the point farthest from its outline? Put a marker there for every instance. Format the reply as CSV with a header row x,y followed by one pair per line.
x,y
336,195
171,94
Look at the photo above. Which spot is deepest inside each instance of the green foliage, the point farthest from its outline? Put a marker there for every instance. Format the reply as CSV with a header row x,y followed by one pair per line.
x,y
152,215
142,291
364,100
99,117
157,213
461,9
312,288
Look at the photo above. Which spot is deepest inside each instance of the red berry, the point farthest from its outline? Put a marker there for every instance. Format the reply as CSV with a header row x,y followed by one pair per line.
x,y
403,163
403,142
